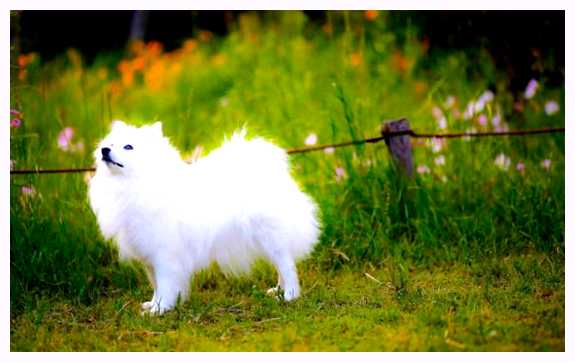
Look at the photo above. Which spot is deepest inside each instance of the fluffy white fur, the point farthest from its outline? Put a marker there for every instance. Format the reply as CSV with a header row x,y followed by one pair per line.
x,y
235,205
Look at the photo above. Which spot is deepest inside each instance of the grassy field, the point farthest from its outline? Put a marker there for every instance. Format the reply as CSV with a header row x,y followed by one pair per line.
x,y
469,255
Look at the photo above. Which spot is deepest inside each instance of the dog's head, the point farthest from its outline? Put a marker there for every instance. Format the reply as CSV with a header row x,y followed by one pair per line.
x,y
128,150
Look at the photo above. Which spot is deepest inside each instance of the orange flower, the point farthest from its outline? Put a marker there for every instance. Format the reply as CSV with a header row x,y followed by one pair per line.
x,y
205,36
154,48
371,15
219,59
419,87
138,63
23,61
402,63
155,75
136,47
126,72
190,45
356,59
115,88
327,28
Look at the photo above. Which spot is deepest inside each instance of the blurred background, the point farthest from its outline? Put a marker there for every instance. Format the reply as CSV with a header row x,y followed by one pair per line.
x,y
523,43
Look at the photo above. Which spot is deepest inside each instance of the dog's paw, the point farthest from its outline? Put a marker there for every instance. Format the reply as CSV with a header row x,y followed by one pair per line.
x,y
273,291
147,305
154,310
283,295
291,294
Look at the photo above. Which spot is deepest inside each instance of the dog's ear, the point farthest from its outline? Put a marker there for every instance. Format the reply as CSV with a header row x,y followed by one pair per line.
x,y
156,128
118,124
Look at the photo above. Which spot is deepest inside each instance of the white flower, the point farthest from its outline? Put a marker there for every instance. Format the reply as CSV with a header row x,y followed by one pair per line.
x,y
440,160
469,111
479,105
329,150
449,102
487,96
496,120
311,139
442,123
551,107
437,144
469,130
224,102
503,162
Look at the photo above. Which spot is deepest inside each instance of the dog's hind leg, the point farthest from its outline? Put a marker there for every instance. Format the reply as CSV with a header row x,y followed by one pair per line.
x,y
284,264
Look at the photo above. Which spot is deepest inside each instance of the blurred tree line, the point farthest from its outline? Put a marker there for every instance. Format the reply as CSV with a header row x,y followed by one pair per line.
x,y
522,43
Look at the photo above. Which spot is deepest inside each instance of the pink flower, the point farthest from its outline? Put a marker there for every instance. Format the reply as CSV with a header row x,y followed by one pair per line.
x,y
15,122
64,138
546,164
482,120
422,169
531,89
520,167
311,139
437,113
79,147
28,191
15,112
440,160
329,150
551,107
340,173
456,113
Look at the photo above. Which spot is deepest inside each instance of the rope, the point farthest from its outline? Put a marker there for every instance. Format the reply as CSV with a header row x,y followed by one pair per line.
x,y
385,134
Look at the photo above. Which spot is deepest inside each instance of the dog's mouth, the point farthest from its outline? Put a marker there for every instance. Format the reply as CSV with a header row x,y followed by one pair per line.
x,y
108,160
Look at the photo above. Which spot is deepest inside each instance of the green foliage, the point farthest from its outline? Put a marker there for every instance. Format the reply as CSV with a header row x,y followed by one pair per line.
x,y
285,79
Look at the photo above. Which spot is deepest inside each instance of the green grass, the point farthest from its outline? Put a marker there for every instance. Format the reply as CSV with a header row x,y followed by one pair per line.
x,y
478,307
466,257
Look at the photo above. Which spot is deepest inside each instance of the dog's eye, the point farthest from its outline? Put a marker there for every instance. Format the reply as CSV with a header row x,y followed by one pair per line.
x,y
128,147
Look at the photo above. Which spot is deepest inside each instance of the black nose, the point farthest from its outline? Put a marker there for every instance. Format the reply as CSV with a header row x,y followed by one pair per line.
x,y
105,151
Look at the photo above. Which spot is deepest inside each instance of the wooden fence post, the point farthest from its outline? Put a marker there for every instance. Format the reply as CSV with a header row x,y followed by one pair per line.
x,y
399,146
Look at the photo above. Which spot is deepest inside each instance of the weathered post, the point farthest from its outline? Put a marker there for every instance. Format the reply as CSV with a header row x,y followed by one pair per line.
x,y
399,146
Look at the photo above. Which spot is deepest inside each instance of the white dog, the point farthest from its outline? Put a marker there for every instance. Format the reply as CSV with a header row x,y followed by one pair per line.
x,y
235,205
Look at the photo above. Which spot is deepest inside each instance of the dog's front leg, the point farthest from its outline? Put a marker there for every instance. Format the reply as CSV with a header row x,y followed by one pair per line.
x,y
146,306
171,282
